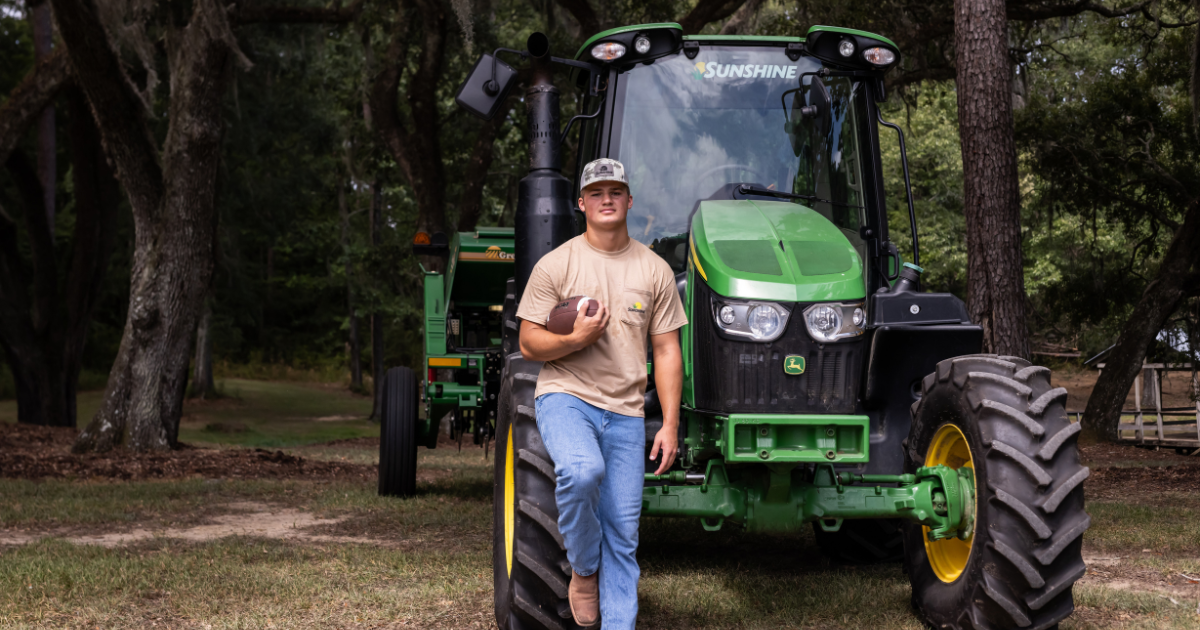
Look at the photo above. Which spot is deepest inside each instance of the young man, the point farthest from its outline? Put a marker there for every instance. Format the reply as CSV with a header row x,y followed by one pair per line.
x,y
590,390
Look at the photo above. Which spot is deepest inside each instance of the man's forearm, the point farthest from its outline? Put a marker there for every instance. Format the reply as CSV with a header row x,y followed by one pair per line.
x,y
668,378
539,344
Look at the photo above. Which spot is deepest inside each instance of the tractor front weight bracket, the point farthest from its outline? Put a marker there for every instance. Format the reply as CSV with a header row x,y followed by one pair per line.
x,y
762,499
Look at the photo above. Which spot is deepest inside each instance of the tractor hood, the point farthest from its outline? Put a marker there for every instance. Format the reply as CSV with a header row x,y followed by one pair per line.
x,y
772,250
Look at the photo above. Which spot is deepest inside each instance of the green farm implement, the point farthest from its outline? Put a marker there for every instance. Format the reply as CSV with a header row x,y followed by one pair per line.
x,y
463,361
822,387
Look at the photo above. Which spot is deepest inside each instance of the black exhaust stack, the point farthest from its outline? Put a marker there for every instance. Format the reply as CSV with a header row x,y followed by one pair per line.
x,y
545,217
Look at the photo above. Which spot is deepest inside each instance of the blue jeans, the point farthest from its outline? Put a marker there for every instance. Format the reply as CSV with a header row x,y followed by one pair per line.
x,y
599,459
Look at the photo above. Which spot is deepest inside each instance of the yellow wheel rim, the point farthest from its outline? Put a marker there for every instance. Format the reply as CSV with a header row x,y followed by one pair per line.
x,y
510,491
949,557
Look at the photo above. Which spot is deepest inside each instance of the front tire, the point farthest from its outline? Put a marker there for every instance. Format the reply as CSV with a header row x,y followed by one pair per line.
x,y
999,416
398,434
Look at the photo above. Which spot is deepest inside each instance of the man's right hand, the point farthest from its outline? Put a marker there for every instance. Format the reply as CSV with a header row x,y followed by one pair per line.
x,y
588,329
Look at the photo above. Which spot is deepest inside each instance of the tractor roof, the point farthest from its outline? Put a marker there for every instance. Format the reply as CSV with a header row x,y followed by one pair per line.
x,y
731,39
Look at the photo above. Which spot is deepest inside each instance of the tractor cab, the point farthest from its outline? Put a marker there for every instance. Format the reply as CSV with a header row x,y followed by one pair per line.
x,y
731,119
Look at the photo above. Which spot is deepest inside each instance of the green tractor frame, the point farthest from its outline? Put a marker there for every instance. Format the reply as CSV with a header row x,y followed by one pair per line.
x,y
822,387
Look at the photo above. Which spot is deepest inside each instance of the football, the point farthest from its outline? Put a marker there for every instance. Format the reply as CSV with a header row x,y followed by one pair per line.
x,y
561,320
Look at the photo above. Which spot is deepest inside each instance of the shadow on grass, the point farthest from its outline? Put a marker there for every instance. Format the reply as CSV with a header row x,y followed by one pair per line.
x,y
465,489
729,578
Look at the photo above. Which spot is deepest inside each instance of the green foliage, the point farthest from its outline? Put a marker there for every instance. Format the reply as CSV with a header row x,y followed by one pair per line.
x,y
1108,142
930,126
16,46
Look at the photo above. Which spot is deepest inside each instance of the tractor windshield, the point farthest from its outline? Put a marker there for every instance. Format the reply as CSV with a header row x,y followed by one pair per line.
x,y
688,128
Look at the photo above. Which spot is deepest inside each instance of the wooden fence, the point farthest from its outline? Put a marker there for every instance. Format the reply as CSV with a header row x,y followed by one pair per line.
x,y
1162,430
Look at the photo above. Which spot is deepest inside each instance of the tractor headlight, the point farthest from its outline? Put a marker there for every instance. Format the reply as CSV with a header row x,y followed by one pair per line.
x,y
642,45
765,322
753,321
608,51
830,322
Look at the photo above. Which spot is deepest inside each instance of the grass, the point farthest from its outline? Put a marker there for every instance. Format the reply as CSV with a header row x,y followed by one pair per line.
x,y
260,414
266,414
426,562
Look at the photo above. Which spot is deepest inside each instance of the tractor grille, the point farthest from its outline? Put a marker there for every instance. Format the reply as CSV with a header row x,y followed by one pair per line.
x,y
743,377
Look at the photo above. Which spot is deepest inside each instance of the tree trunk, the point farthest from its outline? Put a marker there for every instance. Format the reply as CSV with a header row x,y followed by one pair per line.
x,y
202,374
172,200
43,43
995,276
377,367
356,381
43,337
1159,301
414,143
471,202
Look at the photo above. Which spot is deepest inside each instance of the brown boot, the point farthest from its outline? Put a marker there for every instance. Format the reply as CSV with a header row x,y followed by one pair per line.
x,y
584,597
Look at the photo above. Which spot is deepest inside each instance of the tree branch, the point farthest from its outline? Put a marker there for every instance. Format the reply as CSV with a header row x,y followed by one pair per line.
x,y
383,93
1022,11
471,202
30,97
296,15
583,13
118,111
707,11
742,19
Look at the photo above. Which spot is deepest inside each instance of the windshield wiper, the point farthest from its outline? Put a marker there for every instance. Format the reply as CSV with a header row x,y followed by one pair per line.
x,y
751,190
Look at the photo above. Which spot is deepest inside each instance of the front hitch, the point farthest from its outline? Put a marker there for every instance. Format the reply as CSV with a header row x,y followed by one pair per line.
x,y
771,499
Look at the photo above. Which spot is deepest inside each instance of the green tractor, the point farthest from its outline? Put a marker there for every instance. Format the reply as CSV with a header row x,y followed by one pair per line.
x,y
822,387
462,354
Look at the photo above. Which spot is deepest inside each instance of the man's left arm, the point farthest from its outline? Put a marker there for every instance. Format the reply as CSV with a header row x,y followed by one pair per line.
x,y
668,378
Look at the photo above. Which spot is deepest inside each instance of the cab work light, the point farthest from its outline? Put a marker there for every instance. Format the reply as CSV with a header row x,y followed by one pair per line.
x,y
608,51
879,56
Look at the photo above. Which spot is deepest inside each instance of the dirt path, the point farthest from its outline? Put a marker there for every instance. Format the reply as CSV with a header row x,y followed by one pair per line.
x,y
1118,572
260,520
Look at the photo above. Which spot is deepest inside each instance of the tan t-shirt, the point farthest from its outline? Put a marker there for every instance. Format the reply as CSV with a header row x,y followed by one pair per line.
x,y
639,290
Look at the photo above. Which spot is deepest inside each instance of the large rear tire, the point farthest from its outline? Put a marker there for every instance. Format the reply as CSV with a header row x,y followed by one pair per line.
x,y
398,434
1001,417
530,570
530,567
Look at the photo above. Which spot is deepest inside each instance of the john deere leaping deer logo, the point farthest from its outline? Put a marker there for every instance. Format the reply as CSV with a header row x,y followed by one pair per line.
x,y
793,364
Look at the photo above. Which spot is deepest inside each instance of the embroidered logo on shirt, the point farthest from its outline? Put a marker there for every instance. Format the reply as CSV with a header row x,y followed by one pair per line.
x,y
636,308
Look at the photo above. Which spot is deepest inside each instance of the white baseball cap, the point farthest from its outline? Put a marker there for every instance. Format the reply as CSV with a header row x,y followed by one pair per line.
x,y
603,170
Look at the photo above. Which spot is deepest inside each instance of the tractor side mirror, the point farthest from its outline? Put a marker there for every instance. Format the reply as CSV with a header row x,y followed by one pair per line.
x,y
486,87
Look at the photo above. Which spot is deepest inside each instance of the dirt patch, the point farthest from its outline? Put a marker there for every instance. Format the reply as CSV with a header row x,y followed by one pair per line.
x,y
1104,455
1121,484
28,452
1117,572
259,520
365,443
